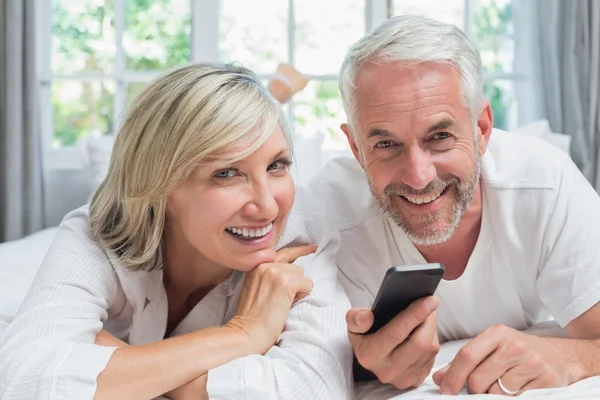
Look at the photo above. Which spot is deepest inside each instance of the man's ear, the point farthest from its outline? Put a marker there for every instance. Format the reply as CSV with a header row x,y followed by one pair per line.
x,y
352,141
485,123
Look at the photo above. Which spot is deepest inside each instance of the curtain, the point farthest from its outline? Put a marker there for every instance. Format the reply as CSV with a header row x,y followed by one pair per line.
x,y
21,172
557,43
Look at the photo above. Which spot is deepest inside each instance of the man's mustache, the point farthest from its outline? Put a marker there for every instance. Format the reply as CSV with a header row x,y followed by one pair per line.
x,y
435,186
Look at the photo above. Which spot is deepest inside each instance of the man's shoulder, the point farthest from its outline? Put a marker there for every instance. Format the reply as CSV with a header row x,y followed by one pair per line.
x,y
515,161
341,186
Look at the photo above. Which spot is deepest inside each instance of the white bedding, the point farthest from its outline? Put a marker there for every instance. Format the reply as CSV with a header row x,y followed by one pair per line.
x,y
19,262
586,389
20,259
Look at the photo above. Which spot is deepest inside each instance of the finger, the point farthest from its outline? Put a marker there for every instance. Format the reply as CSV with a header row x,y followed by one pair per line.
x,y
302,285
417,352
538,383
290,254
438,376
467,359
397,330
359,320
515,378
303,288
514,373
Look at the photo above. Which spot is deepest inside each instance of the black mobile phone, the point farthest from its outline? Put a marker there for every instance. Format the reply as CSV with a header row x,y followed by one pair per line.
x,y
401,286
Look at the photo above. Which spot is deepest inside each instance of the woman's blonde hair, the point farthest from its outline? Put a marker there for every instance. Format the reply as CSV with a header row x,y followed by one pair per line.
x,y
173,126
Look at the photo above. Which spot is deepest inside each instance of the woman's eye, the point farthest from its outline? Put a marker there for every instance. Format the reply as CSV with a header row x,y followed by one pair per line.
x,y
225,174
384,144
279,165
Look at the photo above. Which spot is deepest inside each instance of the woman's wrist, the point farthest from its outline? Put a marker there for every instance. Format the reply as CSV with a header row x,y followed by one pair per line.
x,y
242,333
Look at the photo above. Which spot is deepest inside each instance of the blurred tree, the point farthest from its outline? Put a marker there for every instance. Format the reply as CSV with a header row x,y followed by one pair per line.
x,y
80,34
492,29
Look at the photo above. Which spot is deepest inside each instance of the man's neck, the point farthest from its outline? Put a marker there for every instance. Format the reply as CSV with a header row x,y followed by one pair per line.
x,y
454,253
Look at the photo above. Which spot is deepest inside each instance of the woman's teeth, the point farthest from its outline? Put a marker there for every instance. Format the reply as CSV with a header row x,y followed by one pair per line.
x,y
251,233
424,200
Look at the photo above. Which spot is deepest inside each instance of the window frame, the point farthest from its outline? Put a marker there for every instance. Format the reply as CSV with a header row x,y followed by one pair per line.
x,y
204,44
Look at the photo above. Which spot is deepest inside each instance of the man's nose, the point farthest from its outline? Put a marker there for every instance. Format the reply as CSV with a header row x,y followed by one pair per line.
x,y
418,169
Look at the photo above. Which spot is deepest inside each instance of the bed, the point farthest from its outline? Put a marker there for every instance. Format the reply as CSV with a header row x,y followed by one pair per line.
x,y
20,259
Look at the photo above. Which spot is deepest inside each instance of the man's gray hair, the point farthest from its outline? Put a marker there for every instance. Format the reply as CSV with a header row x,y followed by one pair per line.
x,y
415,39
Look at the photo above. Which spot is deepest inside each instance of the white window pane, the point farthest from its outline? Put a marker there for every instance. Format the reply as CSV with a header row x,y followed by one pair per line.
x,y
501,95
493,32
254,33
318,109
448,11
81,109
83,36
157,34
324,32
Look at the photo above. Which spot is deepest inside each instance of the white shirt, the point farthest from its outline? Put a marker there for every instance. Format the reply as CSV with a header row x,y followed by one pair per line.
x,y
537,255
48,351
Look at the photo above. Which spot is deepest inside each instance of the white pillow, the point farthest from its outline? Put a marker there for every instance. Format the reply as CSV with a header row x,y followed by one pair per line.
x,y
19,263
95,153
307,158
541,129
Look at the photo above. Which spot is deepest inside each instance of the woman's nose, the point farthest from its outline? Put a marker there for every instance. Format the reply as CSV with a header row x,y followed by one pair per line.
x,y
263,203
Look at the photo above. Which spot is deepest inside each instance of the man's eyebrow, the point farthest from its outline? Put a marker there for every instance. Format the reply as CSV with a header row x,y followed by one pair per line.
x,y
443,124
379,132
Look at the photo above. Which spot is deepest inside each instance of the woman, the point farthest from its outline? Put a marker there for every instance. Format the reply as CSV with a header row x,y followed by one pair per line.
x,y
183,258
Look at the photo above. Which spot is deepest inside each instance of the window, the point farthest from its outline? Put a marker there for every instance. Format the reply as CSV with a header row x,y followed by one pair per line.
x,y
97,55
489,24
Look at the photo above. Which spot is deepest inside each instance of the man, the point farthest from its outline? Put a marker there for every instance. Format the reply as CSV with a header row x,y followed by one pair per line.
x,y
513,221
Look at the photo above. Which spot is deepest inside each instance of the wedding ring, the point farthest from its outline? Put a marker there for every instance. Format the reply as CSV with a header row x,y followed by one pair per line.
x,y
505,390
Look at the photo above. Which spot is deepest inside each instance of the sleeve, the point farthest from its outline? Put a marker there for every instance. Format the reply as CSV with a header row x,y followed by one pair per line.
x,y
48,351
569,278
313,357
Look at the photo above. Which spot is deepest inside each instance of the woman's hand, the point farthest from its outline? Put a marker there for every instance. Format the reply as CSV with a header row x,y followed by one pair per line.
x,y
267,296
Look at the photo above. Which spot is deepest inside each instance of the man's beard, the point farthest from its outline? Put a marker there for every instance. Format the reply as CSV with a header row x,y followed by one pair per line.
x,y
434,228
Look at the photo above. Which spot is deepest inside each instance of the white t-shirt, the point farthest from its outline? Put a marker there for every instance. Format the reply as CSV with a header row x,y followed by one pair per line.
x,y
537,255
48,351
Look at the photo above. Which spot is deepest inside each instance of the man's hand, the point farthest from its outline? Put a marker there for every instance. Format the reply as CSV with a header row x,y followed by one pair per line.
x,y
402,352
523,362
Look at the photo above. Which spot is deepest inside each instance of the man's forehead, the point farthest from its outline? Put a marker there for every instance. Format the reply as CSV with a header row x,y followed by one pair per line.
x,y
404,77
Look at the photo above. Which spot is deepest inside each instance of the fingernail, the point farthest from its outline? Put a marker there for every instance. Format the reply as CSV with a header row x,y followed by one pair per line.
x,y
432,304
359,318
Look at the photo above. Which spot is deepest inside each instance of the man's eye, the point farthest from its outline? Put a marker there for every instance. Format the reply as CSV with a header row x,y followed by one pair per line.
x,y
225,174
384,144
440,136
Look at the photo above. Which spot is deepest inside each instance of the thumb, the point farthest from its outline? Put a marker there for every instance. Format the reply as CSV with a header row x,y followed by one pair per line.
x,y
359,320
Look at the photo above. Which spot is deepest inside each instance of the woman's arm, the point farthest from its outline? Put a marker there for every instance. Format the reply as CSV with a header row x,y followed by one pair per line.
x,y
143,372
49,350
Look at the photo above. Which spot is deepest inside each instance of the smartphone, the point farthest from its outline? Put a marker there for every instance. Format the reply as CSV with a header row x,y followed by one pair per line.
x,y
401,286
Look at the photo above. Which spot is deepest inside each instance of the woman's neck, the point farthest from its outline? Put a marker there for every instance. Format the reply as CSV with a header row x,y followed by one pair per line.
x,y
186,271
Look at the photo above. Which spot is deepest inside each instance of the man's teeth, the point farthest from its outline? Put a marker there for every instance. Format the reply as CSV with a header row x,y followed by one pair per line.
x,y
424,200
251,233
